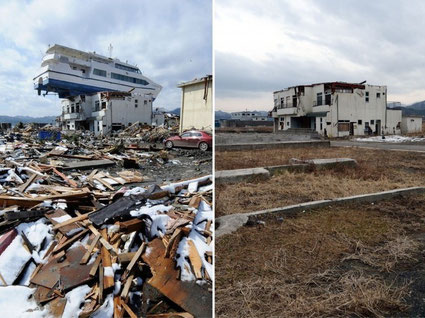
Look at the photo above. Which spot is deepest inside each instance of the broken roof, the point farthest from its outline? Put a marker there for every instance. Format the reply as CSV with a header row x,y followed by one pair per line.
x,y
336,84
195,81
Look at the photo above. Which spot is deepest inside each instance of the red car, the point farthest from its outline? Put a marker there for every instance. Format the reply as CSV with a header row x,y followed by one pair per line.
x,y
190,139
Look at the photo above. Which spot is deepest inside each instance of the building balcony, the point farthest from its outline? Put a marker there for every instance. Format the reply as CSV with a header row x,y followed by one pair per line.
x,y
320,109
73,116
286,111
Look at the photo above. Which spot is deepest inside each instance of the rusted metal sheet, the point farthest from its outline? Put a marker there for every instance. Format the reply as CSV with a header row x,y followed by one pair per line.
x,y
190,296
49,274
75,274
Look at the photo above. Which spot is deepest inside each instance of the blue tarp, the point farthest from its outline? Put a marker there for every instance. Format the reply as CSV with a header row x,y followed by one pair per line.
x,y
49,135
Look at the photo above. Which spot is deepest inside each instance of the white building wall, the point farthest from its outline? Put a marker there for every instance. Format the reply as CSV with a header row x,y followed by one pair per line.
x,y
196,112
411,124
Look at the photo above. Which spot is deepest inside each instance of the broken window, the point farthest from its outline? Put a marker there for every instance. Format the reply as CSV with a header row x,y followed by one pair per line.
x,y
367,97
288,101
319,99
294,100
328,99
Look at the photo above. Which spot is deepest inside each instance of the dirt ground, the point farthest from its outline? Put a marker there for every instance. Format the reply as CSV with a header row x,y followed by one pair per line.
x,y
378,170
342,261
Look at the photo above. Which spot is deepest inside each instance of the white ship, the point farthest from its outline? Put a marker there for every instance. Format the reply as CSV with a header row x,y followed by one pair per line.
x,y
71,72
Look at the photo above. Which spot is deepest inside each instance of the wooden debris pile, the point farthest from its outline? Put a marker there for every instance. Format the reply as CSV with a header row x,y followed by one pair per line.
x,y
143,252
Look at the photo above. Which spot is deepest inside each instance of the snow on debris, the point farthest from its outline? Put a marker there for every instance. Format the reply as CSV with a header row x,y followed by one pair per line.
x,y
16,301
74,300
393,139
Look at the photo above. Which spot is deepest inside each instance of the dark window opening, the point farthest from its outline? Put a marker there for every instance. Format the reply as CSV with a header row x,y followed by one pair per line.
x,y
372,122
359,122
103,105
319,99
378,95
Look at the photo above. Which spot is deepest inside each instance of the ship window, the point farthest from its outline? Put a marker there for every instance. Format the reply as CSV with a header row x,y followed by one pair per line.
x,y
129,79
99,72
127,68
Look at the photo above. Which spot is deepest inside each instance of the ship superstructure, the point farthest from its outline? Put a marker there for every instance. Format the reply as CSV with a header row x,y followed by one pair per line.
x,y
70,72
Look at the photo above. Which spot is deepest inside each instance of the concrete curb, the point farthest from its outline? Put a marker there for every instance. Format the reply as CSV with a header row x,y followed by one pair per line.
x,y
273,145
239,175
230,223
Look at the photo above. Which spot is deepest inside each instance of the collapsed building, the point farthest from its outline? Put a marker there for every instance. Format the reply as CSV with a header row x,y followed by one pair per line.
x,y
99,93
337,109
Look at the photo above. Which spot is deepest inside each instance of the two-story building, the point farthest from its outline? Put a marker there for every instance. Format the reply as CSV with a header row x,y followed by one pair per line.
x,y
336,109
105,112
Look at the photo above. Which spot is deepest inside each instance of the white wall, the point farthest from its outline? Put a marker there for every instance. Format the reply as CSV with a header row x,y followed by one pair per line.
x,y
411,124
196,112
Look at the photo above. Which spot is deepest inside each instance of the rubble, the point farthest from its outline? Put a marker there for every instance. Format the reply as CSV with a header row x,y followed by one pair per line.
x,y
84,236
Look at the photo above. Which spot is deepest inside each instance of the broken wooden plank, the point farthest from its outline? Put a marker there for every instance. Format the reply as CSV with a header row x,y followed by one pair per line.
x,y
133,261
128,310
95,266
195,259
88,164
108,272
190,296
70,241
71,182
70,221
23,187
86,256
127,286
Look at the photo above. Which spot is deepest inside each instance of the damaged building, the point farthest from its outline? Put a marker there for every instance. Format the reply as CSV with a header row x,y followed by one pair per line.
x,y
99,93
105,112
336,109
196,108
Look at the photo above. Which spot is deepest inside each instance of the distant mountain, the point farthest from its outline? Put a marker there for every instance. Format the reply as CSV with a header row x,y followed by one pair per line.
x,y
222,115
27,119
417,109
175,111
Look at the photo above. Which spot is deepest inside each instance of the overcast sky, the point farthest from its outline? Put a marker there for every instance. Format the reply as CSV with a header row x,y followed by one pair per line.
x,y
264,46
171,41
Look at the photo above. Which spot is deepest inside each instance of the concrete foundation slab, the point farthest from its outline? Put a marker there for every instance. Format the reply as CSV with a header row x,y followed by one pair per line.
x,y
238,175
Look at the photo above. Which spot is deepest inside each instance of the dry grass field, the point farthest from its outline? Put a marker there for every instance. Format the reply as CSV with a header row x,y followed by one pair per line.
x,y
378,170
345,261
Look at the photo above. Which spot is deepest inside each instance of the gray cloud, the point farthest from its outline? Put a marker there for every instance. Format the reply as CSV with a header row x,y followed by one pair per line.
x,y
170,41
377,41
